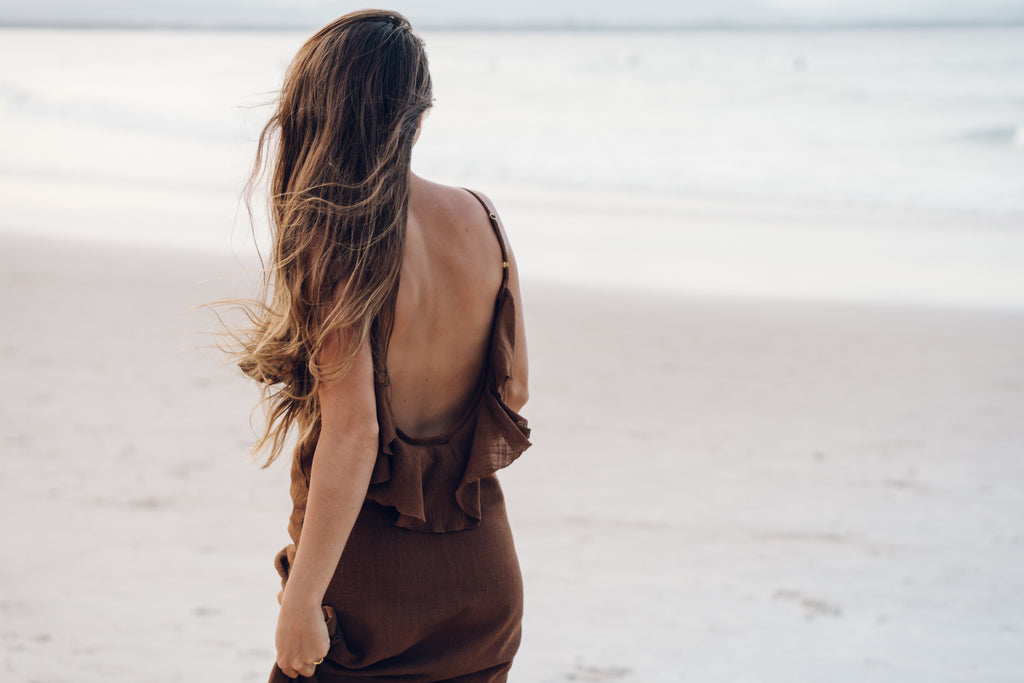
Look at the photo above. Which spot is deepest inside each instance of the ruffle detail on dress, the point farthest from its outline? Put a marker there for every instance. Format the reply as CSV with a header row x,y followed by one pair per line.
x,y
432,488
489,453
397,478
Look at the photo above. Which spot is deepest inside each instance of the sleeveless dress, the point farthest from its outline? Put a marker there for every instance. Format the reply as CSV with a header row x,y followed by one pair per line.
x,y
428,587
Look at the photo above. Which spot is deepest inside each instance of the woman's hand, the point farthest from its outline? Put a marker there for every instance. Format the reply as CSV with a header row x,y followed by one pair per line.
x,y
301,639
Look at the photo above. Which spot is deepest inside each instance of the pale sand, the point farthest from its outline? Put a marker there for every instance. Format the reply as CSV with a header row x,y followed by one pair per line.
x,y
720,490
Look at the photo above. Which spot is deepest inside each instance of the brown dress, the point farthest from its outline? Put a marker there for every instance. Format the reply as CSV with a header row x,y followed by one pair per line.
x,y
428,587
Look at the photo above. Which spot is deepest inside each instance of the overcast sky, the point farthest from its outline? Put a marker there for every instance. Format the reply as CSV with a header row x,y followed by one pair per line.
x,y
552,13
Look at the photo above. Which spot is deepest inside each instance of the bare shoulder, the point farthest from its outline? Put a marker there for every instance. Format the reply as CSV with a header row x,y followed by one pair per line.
x,y
456,217
457,204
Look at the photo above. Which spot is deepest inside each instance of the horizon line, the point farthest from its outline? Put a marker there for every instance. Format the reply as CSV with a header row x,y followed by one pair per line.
x,y
524,27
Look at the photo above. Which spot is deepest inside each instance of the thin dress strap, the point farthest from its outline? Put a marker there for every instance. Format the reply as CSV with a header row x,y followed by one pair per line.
x,y
501,240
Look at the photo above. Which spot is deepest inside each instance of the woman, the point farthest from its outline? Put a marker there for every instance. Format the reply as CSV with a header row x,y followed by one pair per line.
x,y
390,337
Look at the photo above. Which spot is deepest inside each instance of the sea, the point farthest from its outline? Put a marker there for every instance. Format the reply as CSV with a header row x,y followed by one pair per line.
x,y
880,164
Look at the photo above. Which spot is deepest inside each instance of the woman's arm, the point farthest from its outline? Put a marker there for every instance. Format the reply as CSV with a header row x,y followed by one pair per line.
x,y
340,476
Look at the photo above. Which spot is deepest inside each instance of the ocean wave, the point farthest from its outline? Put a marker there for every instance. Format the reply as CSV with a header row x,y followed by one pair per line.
x,y
999,134
119,116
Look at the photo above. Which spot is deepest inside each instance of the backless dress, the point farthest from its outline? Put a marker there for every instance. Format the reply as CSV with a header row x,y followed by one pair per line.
x,y
428,587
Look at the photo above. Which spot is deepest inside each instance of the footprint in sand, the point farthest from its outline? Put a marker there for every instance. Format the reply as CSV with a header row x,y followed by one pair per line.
x,y
813,607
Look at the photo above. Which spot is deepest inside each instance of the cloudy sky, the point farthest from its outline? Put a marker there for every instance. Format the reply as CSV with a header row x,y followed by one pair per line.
x,y
552,13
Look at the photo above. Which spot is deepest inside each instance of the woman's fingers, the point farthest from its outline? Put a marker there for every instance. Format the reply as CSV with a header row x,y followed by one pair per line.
x,y
305,669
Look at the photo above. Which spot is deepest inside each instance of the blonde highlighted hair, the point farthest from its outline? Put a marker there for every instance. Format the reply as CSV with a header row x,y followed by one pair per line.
x,y
337,152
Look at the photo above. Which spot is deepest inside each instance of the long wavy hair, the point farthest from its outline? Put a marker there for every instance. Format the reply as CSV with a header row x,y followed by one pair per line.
x,y
337,151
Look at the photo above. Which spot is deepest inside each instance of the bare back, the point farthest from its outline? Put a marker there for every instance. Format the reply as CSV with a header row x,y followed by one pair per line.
x,y
451,274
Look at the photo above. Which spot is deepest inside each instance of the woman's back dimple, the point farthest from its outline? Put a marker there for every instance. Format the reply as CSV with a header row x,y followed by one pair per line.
x,y
451,276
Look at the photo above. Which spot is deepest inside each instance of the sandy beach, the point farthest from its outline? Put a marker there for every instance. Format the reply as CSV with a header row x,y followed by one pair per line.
x,y
721,489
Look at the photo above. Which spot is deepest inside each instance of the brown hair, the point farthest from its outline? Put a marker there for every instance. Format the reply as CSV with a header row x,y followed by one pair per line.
x,y
337,149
